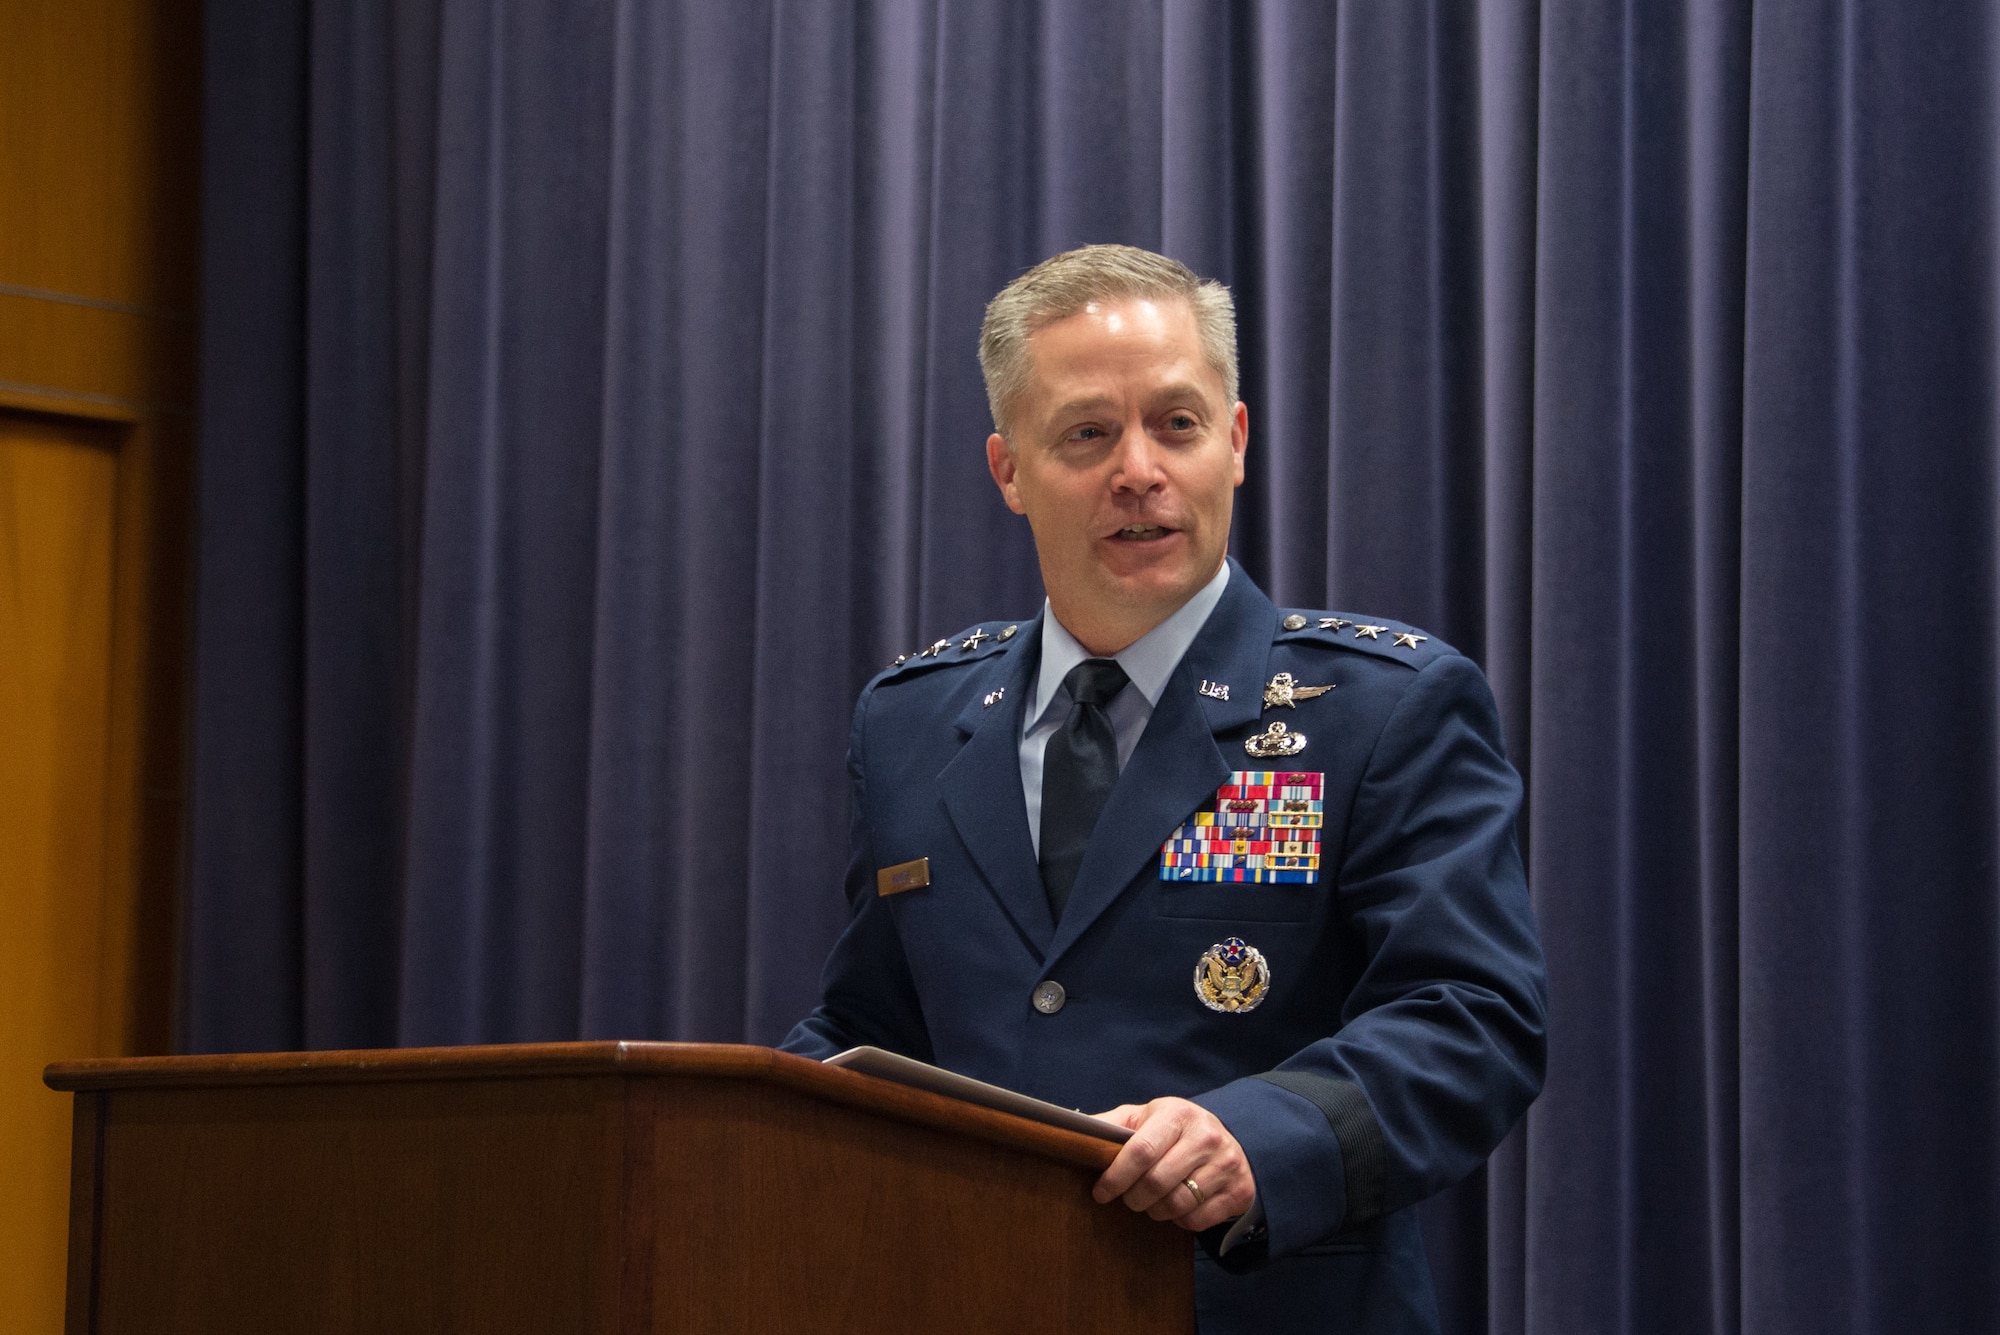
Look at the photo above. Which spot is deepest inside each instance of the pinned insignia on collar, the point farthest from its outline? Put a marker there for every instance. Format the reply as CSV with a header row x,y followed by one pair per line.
x,y
1294,622
1232,977
1275,740
993,697
1214,690
1285,693
935,649
1333,623
900,660
974,640
1410,640
1372,632
1008,633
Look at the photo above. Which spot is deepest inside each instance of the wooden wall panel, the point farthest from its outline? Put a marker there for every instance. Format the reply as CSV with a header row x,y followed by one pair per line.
x,y
98,110
99,279
58,518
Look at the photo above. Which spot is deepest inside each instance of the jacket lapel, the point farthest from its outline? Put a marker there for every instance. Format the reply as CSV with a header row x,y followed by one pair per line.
x,y
981,790
1177,765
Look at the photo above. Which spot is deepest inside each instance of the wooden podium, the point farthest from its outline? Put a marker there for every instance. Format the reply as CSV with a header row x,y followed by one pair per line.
x,y
586,1187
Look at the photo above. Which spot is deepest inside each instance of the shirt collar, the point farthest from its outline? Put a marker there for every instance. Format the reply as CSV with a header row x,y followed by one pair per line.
x,y
1148,661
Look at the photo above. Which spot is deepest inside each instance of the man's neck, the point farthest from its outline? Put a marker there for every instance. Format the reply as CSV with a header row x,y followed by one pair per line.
x,y
1107,636
1148,661
1102,641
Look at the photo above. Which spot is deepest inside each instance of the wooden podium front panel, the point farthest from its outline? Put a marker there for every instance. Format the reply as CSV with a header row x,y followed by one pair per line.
x,y
601,1189
851,1223
432,1207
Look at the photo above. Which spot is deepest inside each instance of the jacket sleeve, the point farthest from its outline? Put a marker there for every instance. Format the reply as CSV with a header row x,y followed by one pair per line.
x,y
1441,1045
867,994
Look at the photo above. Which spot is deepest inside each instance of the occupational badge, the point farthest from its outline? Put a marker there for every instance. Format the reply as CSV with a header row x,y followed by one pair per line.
x,y
1283,692
1232,977
1276,740
1264,830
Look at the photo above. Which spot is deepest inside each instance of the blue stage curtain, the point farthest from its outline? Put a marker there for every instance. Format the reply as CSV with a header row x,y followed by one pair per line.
x,y
590,407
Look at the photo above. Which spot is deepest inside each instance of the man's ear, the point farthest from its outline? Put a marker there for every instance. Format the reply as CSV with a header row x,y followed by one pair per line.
x,y
1239,436
1000,463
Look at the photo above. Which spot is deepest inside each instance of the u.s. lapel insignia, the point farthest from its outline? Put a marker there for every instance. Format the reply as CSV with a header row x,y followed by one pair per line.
x,y
1274,741
994,697
1214,690
1232,977
1285,692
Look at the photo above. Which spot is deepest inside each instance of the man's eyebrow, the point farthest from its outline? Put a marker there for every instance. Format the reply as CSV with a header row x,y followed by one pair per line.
x,y
1185,390
1083,405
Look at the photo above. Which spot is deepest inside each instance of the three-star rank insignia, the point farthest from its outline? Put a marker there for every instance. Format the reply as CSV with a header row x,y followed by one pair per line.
x,y
1232,977
1275,741
1284,692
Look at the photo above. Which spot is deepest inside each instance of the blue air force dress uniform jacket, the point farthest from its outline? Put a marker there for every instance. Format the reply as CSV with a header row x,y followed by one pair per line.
x,y
1387,1032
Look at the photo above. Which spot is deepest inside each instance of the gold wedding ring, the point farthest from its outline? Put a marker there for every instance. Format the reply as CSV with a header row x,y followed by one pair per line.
x,y
1194,1190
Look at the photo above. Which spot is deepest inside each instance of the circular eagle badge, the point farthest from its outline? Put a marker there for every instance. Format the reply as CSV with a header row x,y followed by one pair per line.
x,y
1232,977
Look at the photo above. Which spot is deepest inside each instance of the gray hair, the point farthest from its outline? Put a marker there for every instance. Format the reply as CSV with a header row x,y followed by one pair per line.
x,y
1064,284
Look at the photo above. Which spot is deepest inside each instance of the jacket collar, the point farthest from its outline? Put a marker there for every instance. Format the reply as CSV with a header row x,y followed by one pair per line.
x,y
981,788
1176,767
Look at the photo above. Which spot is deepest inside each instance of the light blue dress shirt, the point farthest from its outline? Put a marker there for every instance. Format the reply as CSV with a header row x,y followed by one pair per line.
x,y
1148,662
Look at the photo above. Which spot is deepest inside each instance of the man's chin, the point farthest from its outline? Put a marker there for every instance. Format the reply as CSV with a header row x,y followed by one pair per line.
x,y
1157,585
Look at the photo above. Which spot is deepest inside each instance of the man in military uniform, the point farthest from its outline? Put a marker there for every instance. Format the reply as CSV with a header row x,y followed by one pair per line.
x,y
1245,877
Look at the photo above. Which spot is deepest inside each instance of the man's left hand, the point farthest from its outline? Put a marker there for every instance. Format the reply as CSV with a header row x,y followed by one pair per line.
x,y
1175,1142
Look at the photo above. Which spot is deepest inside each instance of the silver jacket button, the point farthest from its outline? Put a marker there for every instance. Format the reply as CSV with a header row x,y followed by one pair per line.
x,y
1049,996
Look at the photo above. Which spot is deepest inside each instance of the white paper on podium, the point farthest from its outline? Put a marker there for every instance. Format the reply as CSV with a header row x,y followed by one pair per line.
x,y
909,1071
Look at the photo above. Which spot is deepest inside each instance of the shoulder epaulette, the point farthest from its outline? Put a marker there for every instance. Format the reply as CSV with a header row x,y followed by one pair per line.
x,y
969,645
1366,635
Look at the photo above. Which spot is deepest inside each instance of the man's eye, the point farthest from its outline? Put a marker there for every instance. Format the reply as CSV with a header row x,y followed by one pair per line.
x,y
1087,433
1181,422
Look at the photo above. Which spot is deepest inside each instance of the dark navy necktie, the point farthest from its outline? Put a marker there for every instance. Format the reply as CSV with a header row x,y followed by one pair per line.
x,y
1078,772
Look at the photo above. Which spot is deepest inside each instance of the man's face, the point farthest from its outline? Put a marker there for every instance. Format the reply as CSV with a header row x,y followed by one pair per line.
x,y
1125,460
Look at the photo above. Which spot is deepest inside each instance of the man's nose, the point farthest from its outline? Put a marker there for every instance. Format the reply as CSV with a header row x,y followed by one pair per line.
x,y
1139,460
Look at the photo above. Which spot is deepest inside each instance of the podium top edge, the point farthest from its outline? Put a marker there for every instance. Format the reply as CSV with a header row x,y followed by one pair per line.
x,y
470,1062
607,1059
